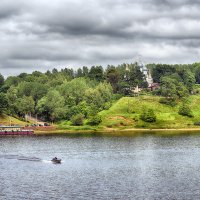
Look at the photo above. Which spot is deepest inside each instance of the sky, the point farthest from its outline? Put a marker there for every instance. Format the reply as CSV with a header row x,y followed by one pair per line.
x,y
42,35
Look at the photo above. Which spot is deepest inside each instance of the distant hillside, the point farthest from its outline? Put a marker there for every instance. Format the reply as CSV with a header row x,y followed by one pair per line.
x,y
126,112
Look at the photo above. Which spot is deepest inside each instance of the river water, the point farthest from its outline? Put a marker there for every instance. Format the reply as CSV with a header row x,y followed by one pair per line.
x,y
143,167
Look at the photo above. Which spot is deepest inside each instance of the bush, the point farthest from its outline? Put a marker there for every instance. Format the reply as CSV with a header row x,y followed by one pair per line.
x,y
77,120
168,101
148,116
95,120
107,105
185,110
156,92
116,97
197,123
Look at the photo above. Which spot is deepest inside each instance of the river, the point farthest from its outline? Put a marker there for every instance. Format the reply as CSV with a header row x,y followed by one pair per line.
x,y
142,167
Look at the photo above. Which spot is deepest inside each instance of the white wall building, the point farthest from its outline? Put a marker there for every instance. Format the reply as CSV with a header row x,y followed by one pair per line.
x,y
146,73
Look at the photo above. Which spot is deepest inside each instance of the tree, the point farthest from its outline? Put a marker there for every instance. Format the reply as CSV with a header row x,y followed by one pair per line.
x,y
74,91
34,89
85,71
172,88
69,73
182,91
189,80
77,120
79,73
3,103
25,105
160,70
52,106
54,71
1,80
93,98
105,91
130,77
197,75
98,96
23,75
185,110
112,76
24,89
96,73
168,87
12,99
12,81
38,91
148,116
95,120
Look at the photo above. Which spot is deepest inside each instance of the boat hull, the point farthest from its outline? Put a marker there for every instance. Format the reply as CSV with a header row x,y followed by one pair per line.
x,y
56,161
25,132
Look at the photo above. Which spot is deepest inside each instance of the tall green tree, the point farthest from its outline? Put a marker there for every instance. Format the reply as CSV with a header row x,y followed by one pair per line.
x,y
112,76
96,73
85,71
1,80
172,88
73,91
160,70
25,105
52,106
189,80
3,103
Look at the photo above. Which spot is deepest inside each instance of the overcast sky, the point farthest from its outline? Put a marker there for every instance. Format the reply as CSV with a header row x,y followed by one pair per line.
x,y
43,34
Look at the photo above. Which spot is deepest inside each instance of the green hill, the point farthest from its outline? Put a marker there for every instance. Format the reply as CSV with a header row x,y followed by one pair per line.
x,y
126,112
7,120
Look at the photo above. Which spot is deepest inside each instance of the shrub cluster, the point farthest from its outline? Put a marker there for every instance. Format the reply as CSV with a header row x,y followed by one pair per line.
x,y
197,123
148,116
168,101
95,120
77,120
185,110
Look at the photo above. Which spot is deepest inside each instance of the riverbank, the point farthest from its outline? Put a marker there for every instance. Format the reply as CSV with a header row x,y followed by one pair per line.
x,y
125,116
118,132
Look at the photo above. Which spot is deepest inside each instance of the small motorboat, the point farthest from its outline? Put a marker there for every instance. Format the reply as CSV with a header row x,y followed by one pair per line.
x,y
56,160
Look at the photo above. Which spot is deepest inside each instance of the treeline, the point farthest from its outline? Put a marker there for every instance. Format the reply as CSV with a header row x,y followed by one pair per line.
x,y
176,82
80,94
64,94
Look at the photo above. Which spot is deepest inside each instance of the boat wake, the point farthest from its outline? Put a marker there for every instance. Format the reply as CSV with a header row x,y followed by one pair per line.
x,y
46,161
20,157
24,158
29,158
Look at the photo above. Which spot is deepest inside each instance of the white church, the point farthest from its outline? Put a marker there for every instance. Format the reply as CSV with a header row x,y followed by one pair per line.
x,y
147,73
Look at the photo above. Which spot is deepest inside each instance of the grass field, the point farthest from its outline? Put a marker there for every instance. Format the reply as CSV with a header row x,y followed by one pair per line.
x,y
126,112
7,120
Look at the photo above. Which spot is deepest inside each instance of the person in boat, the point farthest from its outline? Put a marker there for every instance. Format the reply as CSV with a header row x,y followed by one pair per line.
x,y
55,158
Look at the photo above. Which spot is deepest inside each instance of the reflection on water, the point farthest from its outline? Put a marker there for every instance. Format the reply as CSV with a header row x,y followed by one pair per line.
x,y
143,167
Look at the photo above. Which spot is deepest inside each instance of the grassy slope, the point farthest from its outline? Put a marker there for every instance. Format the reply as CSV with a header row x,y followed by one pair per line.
x,y
5,120
125,113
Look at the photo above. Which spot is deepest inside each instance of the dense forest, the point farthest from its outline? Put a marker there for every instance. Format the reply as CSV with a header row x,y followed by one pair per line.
x,y
80,94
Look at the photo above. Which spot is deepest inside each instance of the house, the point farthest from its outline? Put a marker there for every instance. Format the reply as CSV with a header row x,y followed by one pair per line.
x,y
154,86
137,90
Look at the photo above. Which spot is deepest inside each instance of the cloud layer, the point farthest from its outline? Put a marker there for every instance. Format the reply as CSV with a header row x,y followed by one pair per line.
x,y
41,35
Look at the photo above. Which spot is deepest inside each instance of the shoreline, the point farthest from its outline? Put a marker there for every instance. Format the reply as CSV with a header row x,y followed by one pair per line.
x,y
122,132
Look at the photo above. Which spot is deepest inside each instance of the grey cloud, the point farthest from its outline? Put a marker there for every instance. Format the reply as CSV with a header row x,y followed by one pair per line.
x,y
41,35
9,8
